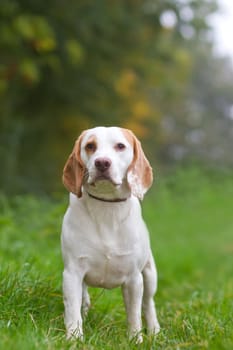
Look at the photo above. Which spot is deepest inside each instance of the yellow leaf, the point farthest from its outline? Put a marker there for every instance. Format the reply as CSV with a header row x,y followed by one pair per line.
x,y
125,84
37,30
75,51
45,45
140,130
141,109
29,71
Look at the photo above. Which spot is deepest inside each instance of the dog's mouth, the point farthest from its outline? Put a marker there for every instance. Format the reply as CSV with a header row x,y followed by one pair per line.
x,y
105,187
104,178
98,178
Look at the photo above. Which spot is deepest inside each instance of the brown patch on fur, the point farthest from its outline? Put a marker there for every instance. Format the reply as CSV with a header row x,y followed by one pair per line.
x,y
140,166
91,145
74,169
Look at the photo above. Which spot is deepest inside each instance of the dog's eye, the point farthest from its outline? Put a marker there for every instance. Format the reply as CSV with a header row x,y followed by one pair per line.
x,y
90,147
120,146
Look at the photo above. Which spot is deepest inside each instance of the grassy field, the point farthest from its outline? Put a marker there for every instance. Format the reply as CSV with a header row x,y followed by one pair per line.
x,y
190,218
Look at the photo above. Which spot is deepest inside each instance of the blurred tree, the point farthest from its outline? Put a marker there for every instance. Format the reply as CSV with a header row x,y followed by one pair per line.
x,y
205,130
65,67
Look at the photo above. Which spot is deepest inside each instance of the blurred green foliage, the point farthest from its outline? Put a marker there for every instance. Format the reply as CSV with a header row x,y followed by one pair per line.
x,y
65,67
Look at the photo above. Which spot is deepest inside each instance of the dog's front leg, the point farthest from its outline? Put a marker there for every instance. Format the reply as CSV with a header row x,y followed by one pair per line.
x,y
72,291
133,293
150,285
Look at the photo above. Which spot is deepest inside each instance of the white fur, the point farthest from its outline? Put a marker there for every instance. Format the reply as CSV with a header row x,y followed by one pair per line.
x,y
106,244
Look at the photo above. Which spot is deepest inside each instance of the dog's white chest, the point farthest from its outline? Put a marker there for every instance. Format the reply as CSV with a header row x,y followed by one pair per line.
x,y
109,268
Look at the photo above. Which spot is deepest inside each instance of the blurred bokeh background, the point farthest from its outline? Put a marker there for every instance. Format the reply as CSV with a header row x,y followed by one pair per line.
x,y
151,66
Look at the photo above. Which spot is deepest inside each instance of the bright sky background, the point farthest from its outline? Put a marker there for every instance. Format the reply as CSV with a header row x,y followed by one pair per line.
x,y
223,27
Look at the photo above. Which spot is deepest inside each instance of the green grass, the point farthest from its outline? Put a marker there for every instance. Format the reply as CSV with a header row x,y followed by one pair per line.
x,y
190,218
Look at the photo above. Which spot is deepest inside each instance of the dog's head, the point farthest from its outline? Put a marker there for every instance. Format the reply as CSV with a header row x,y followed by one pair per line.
x,y
108,162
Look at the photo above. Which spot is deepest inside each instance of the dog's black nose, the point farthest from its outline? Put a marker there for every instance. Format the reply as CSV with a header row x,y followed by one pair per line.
x,y
103,164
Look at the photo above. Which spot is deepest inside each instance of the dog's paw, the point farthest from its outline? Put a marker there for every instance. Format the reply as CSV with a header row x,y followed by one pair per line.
x,y
154,330
72,334
136,337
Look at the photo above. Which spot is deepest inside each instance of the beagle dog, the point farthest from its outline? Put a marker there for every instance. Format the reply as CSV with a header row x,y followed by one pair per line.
x,y
105,242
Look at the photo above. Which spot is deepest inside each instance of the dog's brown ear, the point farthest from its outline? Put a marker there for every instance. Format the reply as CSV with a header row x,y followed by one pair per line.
x,y
74,170
139,174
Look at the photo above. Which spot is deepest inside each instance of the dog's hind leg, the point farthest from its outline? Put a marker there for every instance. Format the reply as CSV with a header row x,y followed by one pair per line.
x,y
86,303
